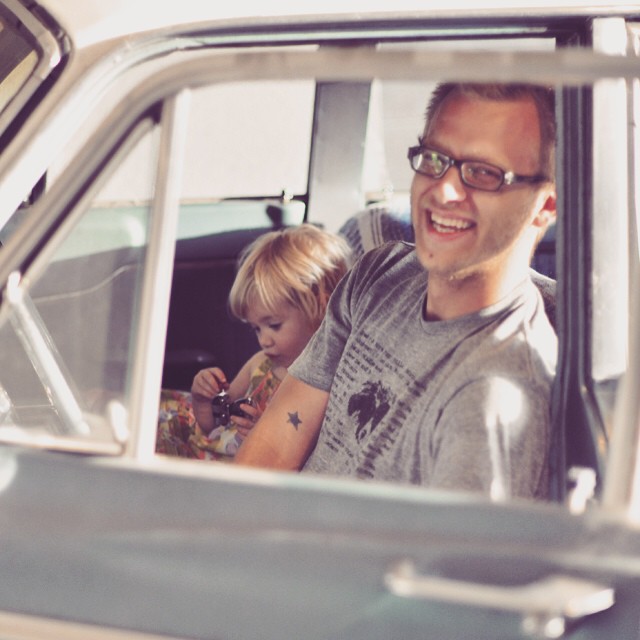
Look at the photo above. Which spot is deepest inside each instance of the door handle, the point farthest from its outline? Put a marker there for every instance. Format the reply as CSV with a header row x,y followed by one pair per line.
x,y
546,606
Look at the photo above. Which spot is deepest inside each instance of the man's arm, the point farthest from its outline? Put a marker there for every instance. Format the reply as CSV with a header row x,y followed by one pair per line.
x,y
286,433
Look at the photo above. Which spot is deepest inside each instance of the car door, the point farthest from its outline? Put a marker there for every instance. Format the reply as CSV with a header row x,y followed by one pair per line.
x,y
173,548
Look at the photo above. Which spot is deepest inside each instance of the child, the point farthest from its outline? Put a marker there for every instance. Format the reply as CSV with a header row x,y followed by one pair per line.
x,y
281,289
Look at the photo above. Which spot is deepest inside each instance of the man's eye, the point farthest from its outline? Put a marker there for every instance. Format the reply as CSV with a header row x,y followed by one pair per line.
x,y
438,162
433,162
483,171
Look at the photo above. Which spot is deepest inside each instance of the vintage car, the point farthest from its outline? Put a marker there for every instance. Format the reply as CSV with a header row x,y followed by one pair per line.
x,y
142,146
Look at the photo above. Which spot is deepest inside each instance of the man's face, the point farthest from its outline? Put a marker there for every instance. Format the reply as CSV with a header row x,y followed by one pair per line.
x,y
461,231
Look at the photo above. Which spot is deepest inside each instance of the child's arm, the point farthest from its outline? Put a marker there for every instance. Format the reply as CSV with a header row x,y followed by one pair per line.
x,y
286,433
209,382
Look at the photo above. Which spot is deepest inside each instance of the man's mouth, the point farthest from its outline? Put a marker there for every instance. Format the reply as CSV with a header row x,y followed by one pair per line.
x,y
444,224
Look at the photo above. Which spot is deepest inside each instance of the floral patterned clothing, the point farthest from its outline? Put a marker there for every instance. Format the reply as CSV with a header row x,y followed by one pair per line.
x,y
179,434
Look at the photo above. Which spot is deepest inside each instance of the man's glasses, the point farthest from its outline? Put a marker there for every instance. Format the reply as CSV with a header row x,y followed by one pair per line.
x,y
478,175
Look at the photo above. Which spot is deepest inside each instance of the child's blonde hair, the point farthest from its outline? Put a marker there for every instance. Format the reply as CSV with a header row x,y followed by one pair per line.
x,y
298,265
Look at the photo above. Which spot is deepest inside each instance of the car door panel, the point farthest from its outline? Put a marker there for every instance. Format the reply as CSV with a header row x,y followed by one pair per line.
x,y
304,557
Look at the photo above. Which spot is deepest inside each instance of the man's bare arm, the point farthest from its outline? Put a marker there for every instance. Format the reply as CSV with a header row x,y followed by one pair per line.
x,y
286,433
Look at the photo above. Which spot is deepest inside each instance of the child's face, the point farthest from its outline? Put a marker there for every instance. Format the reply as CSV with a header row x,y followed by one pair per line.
x,y
282,335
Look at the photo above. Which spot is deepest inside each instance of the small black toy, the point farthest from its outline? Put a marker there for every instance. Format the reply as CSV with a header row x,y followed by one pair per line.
x,y
223,408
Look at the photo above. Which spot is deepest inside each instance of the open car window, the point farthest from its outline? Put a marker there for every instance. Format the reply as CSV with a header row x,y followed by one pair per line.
x,y
89,325
67,334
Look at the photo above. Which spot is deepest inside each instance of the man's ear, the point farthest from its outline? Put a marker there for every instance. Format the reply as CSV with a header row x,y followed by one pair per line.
x,y
547,208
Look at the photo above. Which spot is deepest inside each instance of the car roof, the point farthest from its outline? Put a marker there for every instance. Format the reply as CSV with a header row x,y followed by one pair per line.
x,y
88,22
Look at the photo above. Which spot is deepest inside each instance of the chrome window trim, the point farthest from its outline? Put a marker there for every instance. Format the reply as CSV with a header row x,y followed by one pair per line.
x,y
151,331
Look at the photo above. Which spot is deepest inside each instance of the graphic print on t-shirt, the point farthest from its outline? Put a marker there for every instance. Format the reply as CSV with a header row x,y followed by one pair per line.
x,y
369,406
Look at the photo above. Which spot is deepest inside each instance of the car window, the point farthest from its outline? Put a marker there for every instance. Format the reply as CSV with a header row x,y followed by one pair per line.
x,y
235,132
229,192
83,296
247,161
66,339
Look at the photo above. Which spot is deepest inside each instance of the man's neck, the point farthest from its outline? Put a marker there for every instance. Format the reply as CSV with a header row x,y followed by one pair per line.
x,y
453,297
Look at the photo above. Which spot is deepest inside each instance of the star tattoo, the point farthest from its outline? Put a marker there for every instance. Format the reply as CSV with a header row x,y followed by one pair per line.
x,y
294,419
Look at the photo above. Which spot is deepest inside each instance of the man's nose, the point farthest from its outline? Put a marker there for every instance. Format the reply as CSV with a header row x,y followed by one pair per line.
x,y
450,188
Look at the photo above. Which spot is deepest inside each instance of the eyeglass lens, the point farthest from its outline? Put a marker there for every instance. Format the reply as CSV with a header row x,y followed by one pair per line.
x,y
474,174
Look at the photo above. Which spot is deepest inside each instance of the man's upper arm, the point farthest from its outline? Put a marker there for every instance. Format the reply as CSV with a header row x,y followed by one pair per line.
x,y
286,433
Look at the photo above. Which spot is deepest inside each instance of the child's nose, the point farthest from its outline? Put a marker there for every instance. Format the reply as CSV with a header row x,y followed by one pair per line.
x,y
265,340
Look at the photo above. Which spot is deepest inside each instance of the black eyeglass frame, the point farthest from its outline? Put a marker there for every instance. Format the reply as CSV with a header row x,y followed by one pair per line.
x,y
508,177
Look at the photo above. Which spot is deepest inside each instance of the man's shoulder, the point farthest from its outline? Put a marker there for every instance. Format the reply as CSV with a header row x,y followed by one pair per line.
x,y
547,288
527,339
385,267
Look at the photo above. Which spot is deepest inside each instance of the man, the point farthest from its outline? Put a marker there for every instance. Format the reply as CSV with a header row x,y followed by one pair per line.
x,y
440,380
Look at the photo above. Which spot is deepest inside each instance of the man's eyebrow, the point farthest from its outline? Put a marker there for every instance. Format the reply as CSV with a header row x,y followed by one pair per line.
x,y
473,157
429,143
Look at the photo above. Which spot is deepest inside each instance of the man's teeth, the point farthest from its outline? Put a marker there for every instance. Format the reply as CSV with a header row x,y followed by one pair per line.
x,y
449,225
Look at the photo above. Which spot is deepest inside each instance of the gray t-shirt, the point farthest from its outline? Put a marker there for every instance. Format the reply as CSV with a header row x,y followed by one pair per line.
x,y
458,404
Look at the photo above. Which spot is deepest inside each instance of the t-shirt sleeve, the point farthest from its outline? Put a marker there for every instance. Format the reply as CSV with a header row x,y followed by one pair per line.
x,y
318,362
493,437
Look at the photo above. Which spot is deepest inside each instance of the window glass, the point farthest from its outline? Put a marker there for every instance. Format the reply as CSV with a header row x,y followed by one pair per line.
x,y
236,132
244,141
65,341
240,130
199,324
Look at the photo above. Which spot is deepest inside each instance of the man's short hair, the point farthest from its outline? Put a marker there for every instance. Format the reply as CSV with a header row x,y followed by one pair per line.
x,y
542,96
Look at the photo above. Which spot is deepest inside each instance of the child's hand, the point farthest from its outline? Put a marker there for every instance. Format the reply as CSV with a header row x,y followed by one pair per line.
x,y
206,384
244,425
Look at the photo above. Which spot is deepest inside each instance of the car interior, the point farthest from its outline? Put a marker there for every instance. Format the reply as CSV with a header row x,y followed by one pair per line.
x,y
96,270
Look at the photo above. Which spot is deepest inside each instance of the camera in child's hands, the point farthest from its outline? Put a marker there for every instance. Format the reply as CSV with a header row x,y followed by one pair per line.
x,y
223,408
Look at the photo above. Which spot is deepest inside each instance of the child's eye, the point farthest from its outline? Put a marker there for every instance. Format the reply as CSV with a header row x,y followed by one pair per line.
x,y
275,326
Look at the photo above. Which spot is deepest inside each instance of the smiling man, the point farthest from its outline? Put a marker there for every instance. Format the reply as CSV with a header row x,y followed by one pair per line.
x,y
435,361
